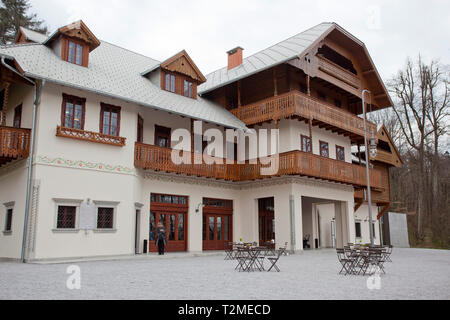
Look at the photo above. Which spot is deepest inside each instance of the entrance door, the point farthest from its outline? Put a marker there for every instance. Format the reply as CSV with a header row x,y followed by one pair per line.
x,y
171,211
217,223
266,220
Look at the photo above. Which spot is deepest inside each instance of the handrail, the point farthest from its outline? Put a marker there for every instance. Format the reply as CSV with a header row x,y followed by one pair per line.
x,y
14,142
289,163
295,103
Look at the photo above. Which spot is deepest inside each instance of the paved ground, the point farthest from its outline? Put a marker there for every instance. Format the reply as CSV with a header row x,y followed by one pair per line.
x,y
414,274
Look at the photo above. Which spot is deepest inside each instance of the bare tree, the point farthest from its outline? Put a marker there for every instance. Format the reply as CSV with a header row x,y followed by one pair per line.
x,y
411,91
437,113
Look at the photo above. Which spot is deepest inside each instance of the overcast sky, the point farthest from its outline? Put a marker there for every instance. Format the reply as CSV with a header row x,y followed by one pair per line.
x,y
391,30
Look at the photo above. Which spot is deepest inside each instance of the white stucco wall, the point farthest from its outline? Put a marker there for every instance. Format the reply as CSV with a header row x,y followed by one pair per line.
x,y
362,215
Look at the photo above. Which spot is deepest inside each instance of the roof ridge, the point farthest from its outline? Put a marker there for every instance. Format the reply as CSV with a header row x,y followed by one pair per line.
x,y
276,44
134,52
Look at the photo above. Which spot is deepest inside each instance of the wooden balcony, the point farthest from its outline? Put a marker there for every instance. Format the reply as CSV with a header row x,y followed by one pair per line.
x,y
14,144
290,163
296,104
338,72
90,136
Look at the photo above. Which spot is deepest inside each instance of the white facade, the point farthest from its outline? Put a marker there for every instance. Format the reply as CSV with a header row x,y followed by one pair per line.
x,y
68,171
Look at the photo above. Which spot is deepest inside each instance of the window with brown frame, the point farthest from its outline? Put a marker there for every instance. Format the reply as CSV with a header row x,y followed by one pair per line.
x,y
73,112
324,149
66,217
17,116
110,119
75,51
170,82
105,218
306,143
162,136
140,129
340,153
188,89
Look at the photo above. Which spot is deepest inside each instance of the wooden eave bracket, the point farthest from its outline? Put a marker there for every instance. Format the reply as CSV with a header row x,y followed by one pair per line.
x,y
385,209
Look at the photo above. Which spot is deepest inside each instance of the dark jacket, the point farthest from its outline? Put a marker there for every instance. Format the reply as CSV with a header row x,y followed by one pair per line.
x,y
160,235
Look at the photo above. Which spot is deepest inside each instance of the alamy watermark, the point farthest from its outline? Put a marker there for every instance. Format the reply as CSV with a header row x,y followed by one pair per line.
x,y
236,146
73,282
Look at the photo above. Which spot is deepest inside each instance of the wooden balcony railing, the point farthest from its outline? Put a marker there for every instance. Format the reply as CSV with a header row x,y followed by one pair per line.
x,y
90,136
338,72
295,103
14,143
290,163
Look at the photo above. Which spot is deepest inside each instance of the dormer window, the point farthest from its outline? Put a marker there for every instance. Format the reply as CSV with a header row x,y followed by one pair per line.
x,y
188,89
73,43
170,82
75,54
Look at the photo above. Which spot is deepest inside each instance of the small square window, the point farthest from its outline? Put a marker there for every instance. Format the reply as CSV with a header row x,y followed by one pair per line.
x,y
324,150
340,153
105,218
66,217
306,143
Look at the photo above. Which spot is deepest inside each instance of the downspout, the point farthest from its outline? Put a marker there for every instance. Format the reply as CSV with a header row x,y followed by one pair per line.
x,y
36,99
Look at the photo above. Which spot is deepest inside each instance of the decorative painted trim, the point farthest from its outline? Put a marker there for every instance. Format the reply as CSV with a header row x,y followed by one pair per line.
x,y
86,165
269,182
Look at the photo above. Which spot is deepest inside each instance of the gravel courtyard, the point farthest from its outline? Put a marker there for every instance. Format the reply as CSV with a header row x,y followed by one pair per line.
x,y
414,274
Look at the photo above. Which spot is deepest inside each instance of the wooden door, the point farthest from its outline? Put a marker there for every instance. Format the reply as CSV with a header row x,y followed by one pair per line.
x,y
217,223
171,211
266,220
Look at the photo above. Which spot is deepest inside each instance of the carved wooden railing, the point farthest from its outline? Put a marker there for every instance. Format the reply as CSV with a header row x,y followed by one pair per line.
x,y
338,72
90,136
289,163
14,142
378,196
295,103
160,159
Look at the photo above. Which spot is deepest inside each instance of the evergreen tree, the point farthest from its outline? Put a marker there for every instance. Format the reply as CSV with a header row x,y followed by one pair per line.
x,y
13,14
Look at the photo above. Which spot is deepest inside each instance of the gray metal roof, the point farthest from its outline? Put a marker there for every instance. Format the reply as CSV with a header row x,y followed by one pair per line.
x,y
33,35
115,72
279,53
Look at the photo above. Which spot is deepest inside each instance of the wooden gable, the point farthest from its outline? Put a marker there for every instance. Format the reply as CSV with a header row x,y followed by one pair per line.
x,y
183,64
384,140
78,31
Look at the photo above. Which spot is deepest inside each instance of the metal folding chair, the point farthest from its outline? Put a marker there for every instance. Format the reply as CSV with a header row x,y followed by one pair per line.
x,y
274,260
229,251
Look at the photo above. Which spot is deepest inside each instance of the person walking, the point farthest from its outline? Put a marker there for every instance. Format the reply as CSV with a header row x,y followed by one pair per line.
x,y
160,238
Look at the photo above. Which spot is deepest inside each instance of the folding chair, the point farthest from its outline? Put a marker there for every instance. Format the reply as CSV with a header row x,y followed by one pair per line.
x,y
376,258
243,259
346,262
274,260
283,249
229,251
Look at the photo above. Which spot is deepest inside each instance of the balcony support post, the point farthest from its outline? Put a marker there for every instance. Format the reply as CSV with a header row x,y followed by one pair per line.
x,y
5,105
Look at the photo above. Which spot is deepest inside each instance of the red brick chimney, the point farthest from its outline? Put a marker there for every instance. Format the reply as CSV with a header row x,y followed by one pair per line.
x,y
234,57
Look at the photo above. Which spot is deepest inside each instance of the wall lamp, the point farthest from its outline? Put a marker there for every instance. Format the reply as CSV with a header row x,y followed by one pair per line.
x,y
197,210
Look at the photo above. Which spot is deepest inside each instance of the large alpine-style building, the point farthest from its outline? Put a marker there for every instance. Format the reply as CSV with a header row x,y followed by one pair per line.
x,y
86,132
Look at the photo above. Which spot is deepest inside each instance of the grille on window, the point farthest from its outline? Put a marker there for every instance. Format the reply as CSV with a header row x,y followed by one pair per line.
x,y
105,218
66,217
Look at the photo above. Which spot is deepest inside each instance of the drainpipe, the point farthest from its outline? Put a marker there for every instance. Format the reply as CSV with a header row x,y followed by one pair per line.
x,y
36,99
